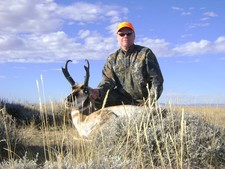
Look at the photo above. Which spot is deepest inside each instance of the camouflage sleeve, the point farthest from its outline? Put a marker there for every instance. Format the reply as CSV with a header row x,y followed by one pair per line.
x,y
108,82
154,75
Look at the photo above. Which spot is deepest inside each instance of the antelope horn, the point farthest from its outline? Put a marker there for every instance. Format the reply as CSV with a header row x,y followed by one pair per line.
x,y
66,73
87,67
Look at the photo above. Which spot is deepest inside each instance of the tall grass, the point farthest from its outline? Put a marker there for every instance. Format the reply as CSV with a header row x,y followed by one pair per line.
x,y
157,137
214,114
154,138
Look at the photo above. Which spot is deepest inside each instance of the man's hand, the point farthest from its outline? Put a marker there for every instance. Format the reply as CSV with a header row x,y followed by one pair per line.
x,y
95,93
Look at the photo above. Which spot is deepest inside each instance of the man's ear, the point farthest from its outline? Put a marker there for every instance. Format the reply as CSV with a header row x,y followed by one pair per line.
x,y
117,37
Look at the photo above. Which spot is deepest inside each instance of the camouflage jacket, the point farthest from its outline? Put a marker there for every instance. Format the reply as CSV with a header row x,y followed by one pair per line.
x,y
131,71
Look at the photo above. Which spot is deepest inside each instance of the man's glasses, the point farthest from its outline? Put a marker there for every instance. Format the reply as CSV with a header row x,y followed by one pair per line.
x,y
123,34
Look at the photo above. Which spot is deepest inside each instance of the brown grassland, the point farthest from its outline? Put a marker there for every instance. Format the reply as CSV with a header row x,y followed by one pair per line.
x,y
168,136
212,114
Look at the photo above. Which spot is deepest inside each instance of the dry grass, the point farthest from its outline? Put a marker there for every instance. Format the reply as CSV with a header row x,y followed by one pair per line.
x,y
212,114
176,138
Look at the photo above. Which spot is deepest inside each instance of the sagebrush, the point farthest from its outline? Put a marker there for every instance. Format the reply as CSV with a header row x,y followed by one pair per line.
x,y
161,137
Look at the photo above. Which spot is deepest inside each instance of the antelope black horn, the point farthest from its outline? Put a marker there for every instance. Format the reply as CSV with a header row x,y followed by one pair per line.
x,y
87,67
66,73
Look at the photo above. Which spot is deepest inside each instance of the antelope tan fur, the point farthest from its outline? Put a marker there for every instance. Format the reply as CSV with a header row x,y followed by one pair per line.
x,y
84,115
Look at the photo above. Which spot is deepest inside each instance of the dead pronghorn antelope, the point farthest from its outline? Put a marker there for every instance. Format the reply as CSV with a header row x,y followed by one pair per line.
x,y
84,115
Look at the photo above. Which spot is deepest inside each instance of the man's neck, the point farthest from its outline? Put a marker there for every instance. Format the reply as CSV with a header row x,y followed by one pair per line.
x,y
126,49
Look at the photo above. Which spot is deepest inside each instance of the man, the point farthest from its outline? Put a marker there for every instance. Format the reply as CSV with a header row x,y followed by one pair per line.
x,y
131,74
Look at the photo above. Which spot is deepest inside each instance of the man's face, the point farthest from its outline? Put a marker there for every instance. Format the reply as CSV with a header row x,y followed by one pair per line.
x,y
125,37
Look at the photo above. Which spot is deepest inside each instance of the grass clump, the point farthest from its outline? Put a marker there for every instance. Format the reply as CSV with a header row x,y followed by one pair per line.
x,y
23,162
9,137
155,137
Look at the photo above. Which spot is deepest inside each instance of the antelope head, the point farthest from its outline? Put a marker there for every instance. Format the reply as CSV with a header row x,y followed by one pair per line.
x,y
79,99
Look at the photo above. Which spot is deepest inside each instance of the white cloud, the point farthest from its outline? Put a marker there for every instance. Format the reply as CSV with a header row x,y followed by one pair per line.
x,y
186,35
111,28
10,42
162,48
84,33
58,46
80,11
28,16
177,8
191,26
181,10
219,44
202,47
210,14
204,19
43,48
186,13
32,31
193,48
159,46
41,16
95,42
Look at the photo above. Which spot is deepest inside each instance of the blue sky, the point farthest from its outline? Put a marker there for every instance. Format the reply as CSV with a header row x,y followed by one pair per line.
x,y
38,36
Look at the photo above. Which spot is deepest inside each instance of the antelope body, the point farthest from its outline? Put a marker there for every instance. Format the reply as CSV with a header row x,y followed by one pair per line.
x,y
85,117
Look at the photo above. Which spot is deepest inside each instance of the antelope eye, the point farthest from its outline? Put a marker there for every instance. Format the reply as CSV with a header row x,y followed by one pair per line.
x,y
85,91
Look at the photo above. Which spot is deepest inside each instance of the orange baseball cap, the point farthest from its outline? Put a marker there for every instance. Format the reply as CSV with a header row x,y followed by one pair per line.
x,y
125,25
